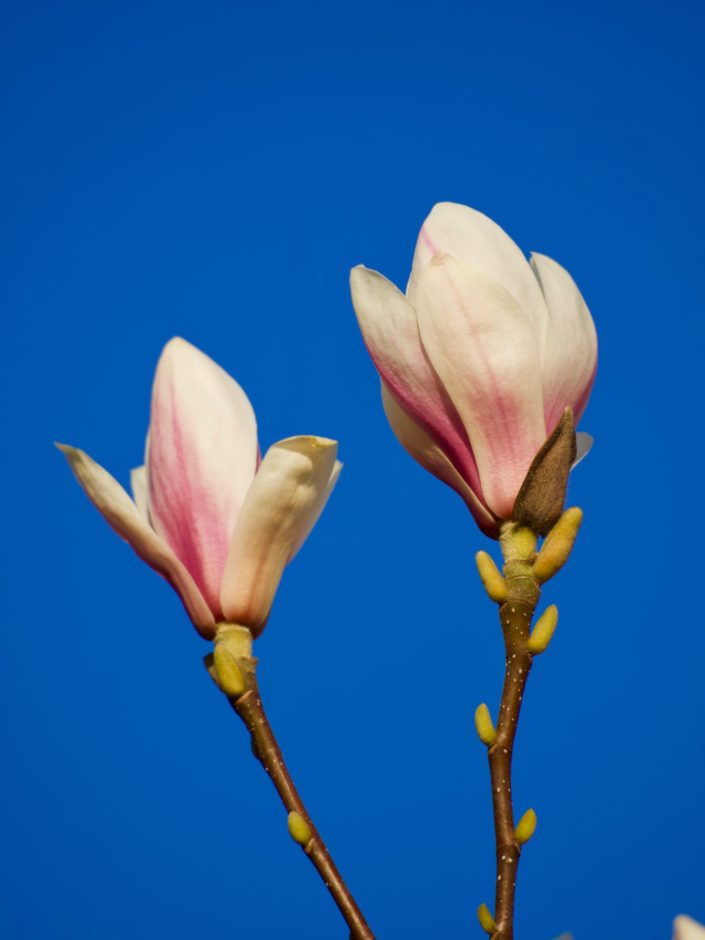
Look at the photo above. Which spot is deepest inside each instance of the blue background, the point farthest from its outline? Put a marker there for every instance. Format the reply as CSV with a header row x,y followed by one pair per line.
x,y
213,170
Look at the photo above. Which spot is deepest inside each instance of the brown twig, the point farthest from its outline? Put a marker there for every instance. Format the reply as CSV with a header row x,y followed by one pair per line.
x,y
515,613
515,617
265,747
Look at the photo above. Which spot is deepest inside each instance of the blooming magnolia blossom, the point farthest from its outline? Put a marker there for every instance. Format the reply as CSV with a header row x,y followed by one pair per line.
x,y
685,928
479,358
219,524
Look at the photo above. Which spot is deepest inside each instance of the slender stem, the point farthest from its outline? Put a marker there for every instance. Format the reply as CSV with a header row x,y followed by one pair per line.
x,y
515,619
265,747
515,616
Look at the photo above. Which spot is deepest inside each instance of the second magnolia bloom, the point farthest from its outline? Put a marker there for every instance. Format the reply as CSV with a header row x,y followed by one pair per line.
x,y
219,524
479,358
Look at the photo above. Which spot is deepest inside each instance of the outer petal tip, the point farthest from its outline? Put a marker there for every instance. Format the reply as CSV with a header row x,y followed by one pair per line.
x,y
121,513
685,928
307,443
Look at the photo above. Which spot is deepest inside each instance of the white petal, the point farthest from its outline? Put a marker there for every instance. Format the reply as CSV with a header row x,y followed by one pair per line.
x,y
469,235
484,351
140,490
685,928
201,460
423,449
120,512
569,353
322,499
283,503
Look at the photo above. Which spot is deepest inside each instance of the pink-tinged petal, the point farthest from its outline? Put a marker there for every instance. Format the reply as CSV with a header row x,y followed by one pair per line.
x,y
140,490
391,333
201,460
283,503
483,349
685,928
424,449
122,515
468,235
584,444
569,353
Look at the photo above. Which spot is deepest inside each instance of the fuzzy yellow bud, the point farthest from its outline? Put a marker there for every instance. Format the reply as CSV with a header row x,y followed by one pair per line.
x,y
486,919
558,545
543,631
484,725
494,583
299,829
526,827
228,672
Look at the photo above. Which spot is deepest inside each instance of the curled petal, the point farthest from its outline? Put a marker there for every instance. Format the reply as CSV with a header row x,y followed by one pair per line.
x,y
317,509
391,332
484,351
685,928
286,498
122,515
468,235
201,460
424,449
569,352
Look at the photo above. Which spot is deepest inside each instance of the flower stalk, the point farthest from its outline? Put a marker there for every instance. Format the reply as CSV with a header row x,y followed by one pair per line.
x,y
521,576
233,668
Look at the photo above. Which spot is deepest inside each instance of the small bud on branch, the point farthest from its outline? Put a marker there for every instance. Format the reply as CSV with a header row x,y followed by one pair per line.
x,y
299,829
491,577
558,545
484,725
526,827
543,631
486,919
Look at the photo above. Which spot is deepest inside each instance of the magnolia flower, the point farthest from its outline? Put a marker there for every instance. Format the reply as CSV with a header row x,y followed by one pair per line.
x,y
685,928
219,524
479,358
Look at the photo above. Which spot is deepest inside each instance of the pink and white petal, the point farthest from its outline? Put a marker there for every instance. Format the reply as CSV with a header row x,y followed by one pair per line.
x,y
111,500
484,351
201,460
283,503
569,353
584,442
467,234
140,490
685,928
390,329
425,450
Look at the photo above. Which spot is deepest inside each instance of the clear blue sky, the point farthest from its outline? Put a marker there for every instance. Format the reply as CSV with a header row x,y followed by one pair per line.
x,y
213,170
